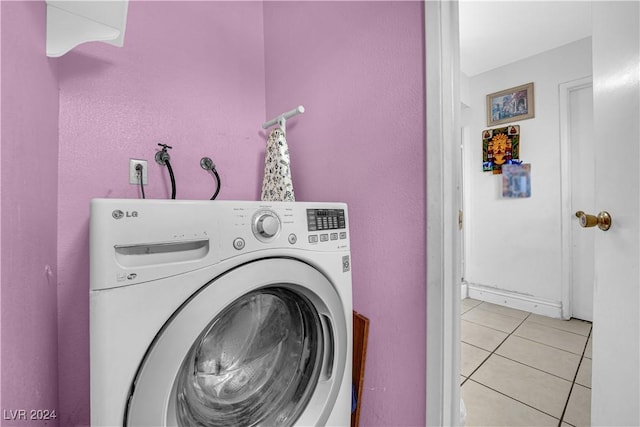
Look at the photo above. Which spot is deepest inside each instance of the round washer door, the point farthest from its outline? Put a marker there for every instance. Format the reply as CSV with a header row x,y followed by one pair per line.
x,y
264,344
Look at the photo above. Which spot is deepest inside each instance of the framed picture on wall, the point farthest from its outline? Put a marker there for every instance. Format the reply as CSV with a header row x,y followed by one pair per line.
x,y
500,146
510,105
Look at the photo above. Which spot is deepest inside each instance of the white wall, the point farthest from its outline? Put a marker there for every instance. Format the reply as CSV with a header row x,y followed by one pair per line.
x,y
465,90
514,245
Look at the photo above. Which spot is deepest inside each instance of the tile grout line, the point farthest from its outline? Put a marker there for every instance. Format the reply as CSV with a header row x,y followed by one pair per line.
x,y
515,400
556,329
493,312
559,329
494,350
485,326
479,303
520,362
537,369
566,404
479,307
526,338
522,320
504,314
497,347
461,314
551,346
527,316
582,356
469,309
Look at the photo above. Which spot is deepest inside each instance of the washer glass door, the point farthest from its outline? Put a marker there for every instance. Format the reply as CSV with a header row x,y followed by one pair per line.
x,y
256,363
264,344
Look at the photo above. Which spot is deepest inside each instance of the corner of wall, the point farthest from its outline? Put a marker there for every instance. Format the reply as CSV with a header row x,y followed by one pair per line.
x,y
28,212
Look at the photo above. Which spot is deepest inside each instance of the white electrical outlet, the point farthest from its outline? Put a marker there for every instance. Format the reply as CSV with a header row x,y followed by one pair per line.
x,y
133,173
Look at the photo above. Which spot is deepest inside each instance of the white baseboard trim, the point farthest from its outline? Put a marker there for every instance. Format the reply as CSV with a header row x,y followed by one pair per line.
x,y
515,300
464,291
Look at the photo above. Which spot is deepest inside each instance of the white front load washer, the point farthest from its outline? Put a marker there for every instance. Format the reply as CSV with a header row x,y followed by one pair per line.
x,y
220,313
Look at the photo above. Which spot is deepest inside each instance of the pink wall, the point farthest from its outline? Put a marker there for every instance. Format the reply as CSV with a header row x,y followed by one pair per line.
x,y
357,67
29,170
191,74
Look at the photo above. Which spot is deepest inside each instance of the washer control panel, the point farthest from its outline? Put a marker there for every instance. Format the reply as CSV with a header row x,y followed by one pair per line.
x,y
290,225
325,225
325,219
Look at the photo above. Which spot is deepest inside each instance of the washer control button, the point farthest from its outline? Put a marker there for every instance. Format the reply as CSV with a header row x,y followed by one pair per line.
x,y
238,243
293,238
343,234
324,237
313,238
334,236
266,225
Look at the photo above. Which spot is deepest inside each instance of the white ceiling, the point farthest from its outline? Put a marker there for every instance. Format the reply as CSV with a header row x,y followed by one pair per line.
x,y
496,33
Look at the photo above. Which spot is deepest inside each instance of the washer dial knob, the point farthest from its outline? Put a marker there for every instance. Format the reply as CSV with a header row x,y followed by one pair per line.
x,y
266,225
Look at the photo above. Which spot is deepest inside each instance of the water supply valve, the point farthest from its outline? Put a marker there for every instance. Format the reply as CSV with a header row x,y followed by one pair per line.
x,y
162,156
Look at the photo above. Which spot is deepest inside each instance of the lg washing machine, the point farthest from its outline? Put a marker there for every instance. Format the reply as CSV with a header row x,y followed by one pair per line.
x,y
220,313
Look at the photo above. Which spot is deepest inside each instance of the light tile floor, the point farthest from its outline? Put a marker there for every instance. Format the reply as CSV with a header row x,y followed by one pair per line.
x,y
522,369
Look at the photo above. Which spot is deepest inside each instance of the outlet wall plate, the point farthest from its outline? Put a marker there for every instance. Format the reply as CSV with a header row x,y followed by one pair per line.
x,y
133,173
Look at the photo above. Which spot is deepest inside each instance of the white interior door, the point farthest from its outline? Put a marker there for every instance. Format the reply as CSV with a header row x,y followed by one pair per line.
x,y
616,330
582,159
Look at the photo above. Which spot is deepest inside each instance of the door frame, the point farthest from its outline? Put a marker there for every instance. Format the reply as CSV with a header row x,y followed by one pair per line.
x,y
442,68
610,400
566,285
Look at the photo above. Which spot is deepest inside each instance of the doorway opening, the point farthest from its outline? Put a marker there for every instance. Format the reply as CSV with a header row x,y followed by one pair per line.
x,y
514,260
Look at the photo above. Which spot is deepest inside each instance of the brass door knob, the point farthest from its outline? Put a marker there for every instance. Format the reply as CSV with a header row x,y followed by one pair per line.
x,y
602,220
